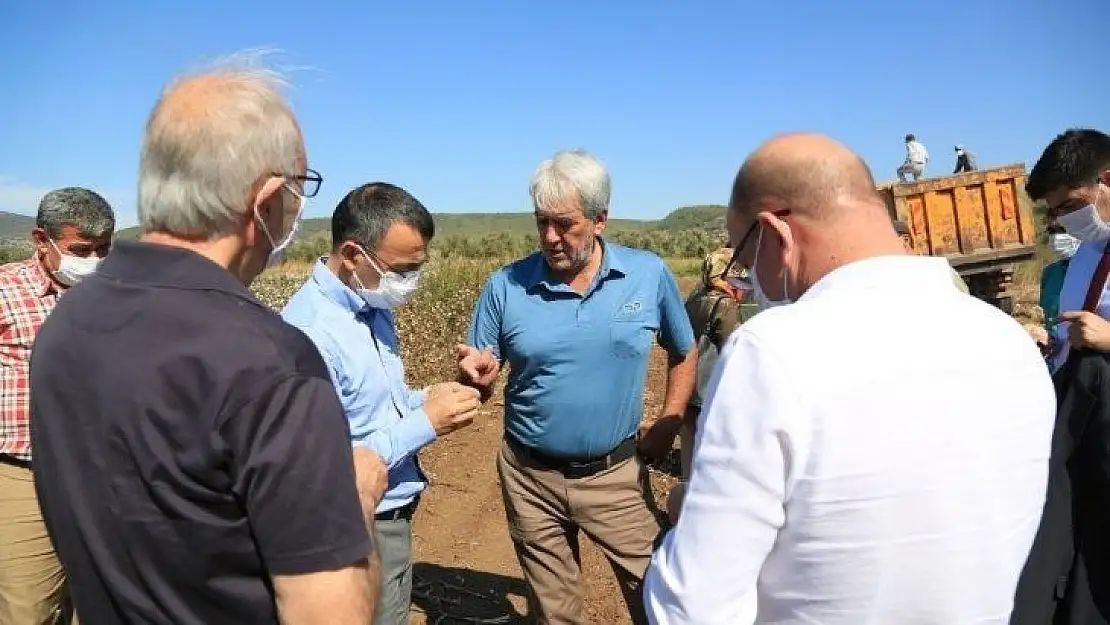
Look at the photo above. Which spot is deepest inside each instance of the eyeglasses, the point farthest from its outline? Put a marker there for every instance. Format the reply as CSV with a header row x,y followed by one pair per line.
x,y
375,259
307,185
745,283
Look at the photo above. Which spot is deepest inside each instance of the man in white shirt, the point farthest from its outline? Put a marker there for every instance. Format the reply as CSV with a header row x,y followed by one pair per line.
x,y
846,469
917,157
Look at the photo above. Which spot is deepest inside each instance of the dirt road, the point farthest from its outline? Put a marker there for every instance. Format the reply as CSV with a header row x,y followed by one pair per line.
x,y
465,569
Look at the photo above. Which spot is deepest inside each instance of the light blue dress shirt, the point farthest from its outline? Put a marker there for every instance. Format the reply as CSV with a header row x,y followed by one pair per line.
x,y
578,362
1077,279
359,345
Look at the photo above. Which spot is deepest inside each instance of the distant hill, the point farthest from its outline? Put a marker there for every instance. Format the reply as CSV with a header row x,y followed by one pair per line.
x,y
15,228
686,218
705,217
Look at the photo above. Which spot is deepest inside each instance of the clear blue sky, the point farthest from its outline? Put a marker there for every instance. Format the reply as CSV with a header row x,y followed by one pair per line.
x,y
459,100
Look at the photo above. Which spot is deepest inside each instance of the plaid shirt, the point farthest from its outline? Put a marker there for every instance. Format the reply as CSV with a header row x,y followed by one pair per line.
x,y
27,296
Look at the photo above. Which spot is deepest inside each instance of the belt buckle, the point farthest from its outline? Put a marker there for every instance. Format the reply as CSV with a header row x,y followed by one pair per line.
x,y
577,470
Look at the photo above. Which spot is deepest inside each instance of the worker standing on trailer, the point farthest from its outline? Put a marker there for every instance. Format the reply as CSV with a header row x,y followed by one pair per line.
x,y
917,157
965,161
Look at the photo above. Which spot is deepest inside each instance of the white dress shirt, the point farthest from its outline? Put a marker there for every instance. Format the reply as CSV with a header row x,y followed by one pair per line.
x,y
1077,279
875,453
916,152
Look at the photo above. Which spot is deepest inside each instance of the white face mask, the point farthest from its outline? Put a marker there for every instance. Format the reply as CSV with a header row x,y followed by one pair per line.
x,y
1085,224
73,269
762,301
393,289
1063,245
278,248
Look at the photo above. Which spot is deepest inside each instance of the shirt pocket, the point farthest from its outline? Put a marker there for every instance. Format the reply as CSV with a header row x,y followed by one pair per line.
x,y
631,336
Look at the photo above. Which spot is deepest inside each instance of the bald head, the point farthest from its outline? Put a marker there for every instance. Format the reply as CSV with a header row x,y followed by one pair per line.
x,y
810,174
803,205
209,140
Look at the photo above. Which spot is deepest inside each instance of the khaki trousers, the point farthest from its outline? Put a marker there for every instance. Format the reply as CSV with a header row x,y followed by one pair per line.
x,y
32,583
546,510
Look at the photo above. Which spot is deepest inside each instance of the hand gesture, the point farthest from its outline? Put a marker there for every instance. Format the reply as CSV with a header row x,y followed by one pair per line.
x,y
371,479
1087,330
479,368
451,406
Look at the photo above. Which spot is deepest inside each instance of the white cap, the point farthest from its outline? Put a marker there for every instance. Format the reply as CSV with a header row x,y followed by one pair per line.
x,y
959,147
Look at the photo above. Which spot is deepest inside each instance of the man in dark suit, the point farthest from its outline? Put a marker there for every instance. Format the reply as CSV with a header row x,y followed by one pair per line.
x,y
1066,578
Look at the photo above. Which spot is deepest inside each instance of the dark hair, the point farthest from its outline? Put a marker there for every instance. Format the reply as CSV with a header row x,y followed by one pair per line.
x,y
1073,159
910,138
366,213
78,207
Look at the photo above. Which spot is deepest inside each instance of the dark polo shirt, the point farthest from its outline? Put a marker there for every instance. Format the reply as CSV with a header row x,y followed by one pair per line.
x,y
188,445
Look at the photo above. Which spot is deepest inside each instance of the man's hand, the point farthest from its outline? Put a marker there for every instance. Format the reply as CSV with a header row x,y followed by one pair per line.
x,y
657,436
451,406
438,389
371,479
479,368
1087,330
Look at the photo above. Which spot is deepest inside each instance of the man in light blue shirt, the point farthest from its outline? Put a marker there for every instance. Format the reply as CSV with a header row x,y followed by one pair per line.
x,y
576,323
380,234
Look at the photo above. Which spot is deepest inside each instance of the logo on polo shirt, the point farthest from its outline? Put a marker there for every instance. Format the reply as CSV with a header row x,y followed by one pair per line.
x,y
631,308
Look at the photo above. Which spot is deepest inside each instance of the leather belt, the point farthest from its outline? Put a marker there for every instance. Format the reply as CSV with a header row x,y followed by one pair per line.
x,y
15,462
575,469
405,512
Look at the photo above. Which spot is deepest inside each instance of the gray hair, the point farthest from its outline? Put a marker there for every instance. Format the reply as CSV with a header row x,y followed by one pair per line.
x,y
575,171
209,139
83,209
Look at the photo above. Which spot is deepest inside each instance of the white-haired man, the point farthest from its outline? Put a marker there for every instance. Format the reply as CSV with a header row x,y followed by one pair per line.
x,y
191,455
576,322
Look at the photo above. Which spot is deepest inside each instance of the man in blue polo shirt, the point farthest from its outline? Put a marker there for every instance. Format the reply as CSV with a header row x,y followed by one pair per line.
x,y
379,236
576,322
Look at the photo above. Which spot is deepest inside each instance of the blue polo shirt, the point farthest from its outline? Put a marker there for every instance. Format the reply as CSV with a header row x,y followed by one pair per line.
x,y
578,362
